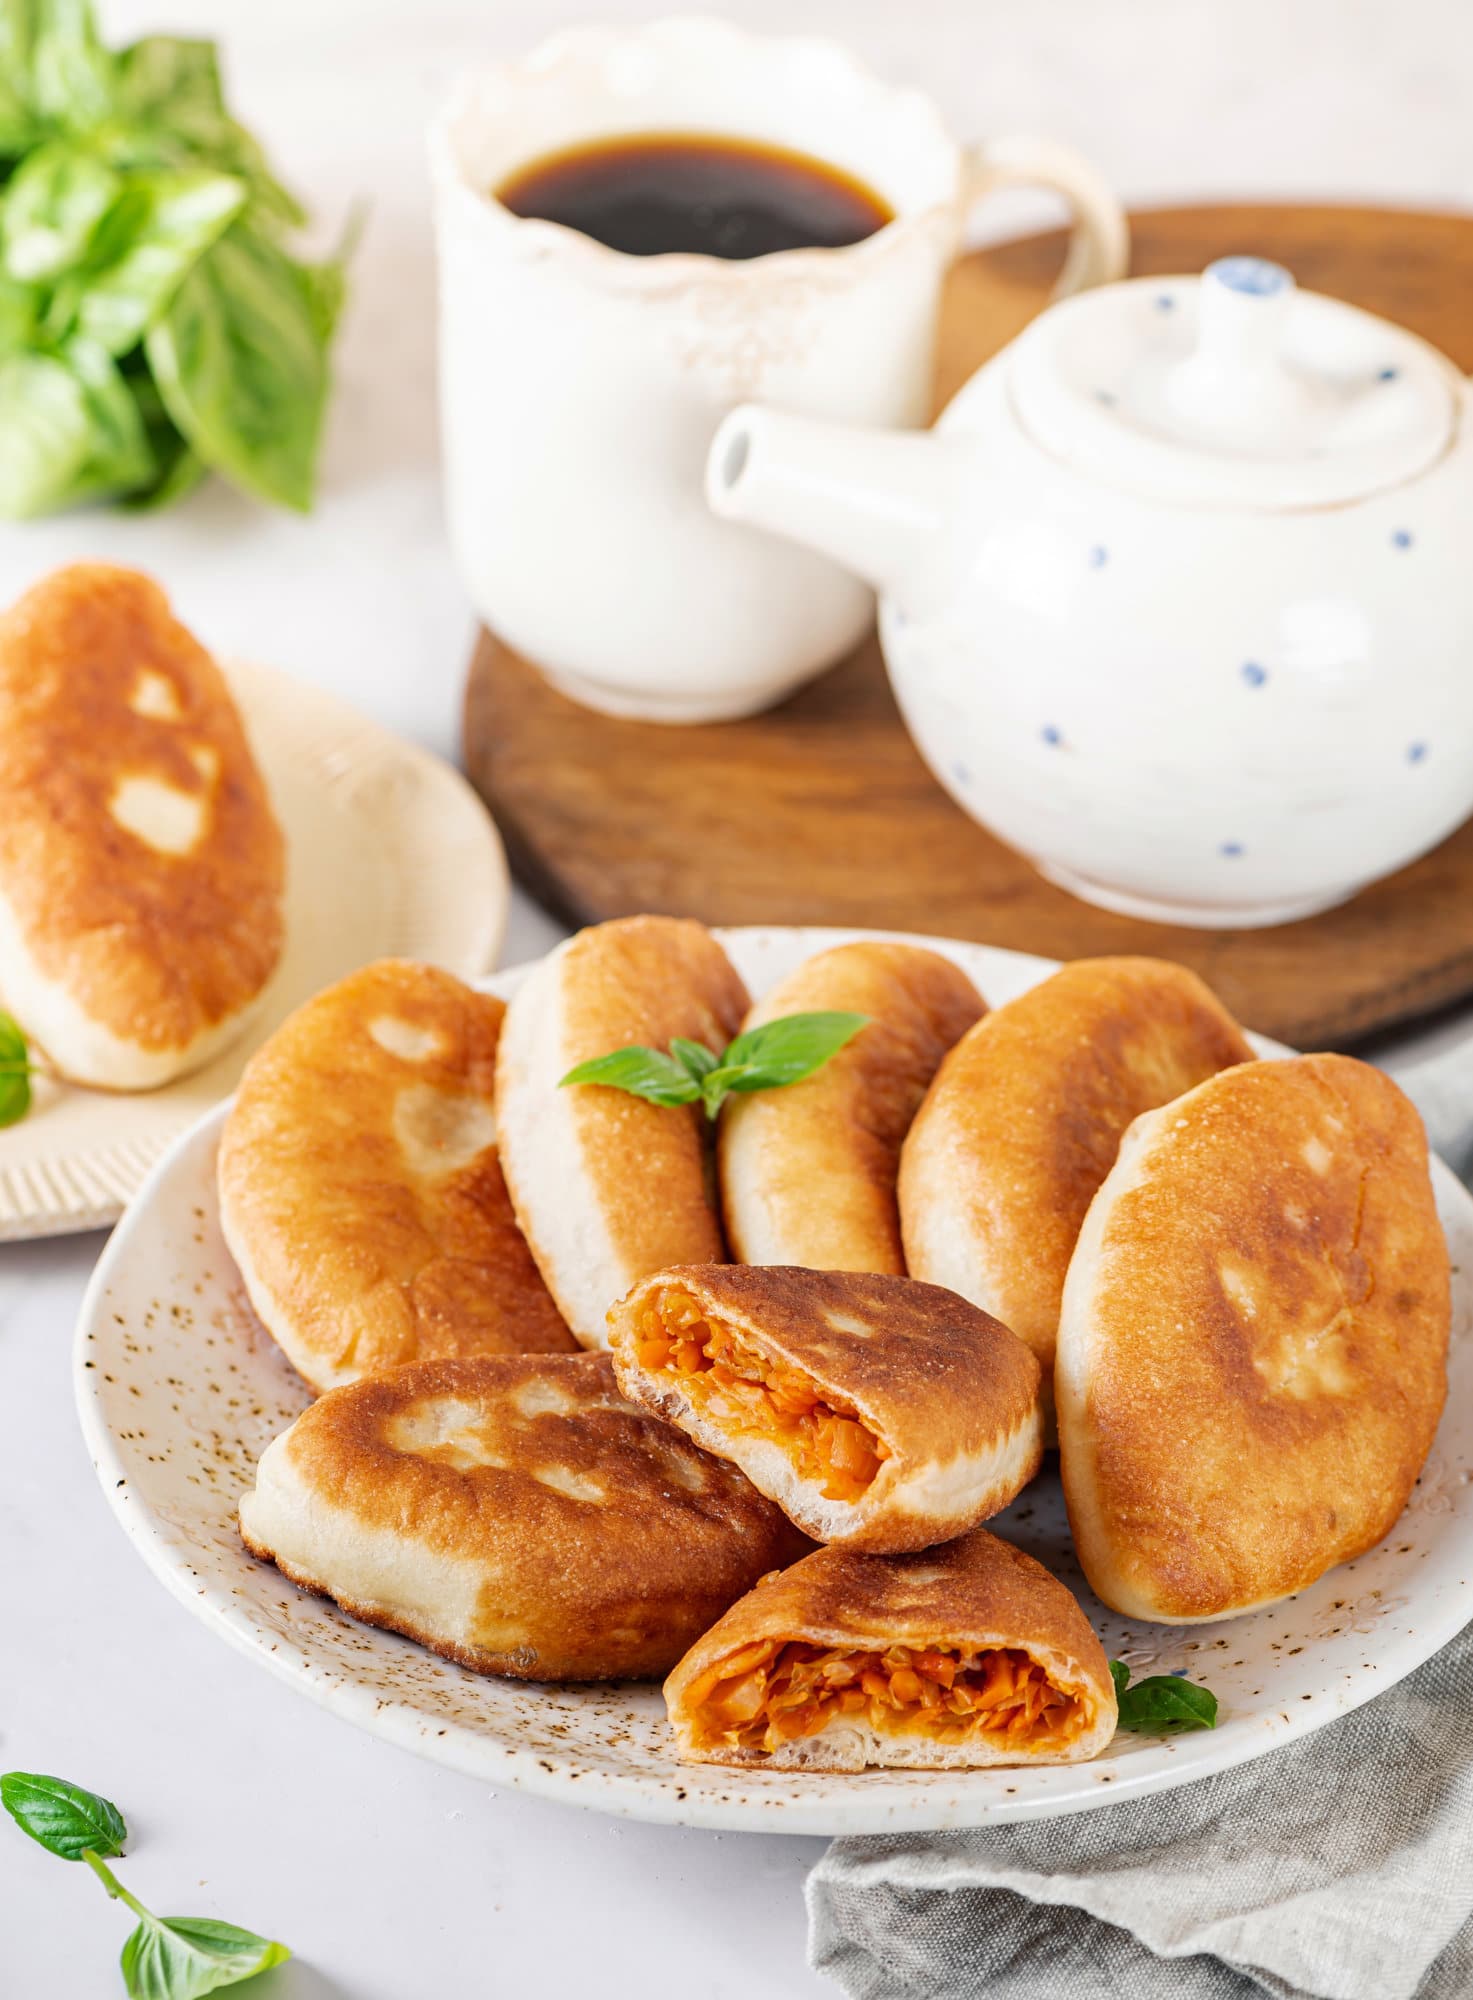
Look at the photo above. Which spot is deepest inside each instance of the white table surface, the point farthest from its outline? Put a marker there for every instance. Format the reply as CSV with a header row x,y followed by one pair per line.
x,y
394,1880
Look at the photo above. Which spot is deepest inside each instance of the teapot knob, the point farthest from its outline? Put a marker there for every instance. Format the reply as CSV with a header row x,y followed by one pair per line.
x,y
1236,379
1244,308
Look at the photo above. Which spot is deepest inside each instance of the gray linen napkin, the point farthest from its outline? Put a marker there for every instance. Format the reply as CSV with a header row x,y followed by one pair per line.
x,y
1338,1868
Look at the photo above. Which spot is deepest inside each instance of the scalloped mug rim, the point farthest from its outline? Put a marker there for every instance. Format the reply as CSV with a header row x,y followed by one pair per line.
x,y
668,270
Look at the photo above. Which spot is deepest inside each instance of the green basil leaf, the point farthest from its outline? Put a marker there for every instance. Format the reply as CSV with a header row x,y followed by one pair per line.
x,y
326,284
180,471
15,1096
1165,1703
717,1085
177,470
69,430
18,311
13,1047
273,207
184,1958
73,77
20,127
45,433
788,1049
119,456
65,1819
239,361
642,1072
172,80
694,1057
1120,1674
176,217
325,287
168,86
782,1052
53,204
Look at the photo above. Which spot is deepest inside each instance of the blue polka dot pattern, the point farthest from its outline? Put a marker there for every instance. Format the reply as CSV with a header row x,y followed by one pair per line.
x,y
1253,674
962,775
1053,737
1165,303
1401,539
1388,374
1098,556
1231,848
1416,752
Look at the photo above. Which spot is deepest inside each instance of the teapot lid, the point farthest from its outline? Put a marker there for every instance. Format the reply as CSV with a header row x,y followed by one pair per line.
x,y
1232,389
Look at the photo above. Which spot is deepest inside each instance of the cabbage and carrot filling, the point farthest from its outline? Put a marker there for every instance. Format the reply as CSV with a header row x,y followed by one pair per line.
x,y
774,1691
750,1393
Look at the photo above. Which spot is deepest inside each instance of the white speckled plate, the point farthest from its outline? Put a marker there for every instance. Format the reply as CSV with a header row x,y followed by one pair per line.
x,y
180,1390
390,854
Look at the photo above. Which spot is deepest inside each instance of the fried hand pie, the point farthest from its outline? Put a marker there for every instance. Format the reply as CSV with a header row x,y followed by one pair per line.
x,y
142,870
877,1411
512,1513
808,1172
360,1189
1024,1120
1252,1352
959,1657
608,1187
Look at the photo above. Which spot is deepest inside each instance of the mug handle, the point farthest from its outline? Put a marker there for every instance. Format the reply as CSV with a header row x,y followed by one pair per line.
x,y
1099,248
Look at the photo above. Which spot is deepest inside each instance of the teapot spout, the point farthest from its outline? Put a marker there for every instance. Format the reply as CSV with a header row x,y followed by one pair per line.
x,y
873,500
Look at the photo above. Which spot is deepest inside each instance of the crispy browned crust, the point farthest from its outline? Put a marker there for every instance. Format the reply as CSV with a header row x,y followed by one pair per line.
x,y
641,1174
1025,1118
808,1172
366,1242
156,947
951,1392
597,1589
473,1658
976,1591
1252,1355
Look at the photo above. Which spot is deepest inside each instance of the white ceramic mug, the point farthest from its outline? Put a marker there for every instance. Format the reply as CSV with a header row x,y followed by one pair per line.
x,y
580,387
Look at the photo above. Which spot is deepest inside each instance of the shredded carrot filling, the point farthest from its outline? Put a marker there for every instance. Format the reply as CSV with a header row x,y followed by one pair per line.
x,y
762,1398
773,1691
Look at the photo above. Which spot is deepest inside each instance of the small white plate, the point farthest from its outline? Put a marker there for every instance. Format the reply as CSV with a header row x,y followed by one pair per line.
x,y
180,1391
389,854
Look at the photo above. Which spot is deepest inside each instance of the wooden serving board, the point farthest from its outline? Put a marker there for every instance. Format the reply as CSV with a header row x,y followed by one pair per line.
x,y
821,812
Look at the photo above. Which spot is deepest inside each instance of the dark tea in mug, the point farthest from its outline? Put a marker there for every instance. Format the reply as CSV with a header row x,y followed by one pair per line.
x,y
650,193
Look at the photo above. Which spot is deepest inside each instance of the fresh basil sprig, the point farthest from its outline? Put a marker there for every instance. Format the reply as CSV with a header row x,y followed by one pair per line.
x,y
165,1958
1162,1704
16,1071
780,1052
153,323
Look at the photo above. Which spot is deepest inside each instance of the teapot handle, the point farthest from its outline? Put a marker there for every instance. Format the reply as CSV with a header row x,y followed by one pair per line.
x,y
1099,249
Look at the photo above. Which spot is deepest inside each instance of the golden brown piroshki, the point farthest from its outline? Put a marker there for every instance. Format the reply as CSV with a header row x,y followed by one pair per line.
x,y
808,1172
142,869
361,1193
877,1411
1024,1120
962,1656
513,1513
607,1186
1252,1352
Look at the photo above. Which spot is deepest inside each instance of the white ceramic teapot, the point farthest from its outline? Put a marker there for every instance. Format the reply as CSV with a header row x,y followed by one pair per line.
x,y
1178,597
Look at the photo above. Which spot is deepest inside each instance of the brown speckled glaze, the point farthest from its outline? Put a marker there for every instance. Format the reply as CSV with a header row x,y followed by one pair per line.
x,y
180,1390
